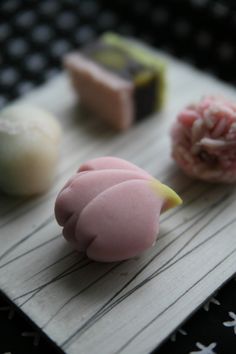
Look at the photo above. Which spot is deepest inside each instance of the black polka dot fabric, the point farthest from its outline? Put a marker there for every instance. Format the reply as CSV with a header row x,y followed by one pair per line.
x,y
19,335
211,330
34,36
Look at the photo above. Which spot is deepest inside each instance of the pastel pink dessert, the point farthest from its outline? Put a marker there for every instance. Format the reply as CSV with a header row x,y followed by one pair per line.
x,y
117,80
204,140
110,209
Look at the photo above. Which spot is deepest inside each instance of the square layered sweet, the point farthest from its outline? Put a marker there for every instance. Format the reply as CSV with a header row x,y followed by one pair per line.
x,y
117,79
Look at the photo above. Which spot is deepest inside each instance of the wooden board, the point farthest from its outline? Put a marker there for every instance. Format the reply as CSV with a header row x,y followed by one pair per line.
x,y
132,306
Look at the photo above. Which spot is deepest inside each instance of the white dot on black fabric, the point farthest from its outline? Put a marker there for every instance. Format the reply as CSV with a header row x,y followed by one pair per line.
x,y
42,34
35,63
24,87
88,8
17,47
9,76
199,3
84,34
3,101
49,7
25,19
9,6
219,10
5,31
67,20
59,48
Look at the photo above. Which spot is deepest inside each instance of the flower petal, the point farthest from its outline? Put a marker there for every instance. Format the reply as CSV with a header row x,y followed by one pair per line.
x,y
124,219
86,186
108,162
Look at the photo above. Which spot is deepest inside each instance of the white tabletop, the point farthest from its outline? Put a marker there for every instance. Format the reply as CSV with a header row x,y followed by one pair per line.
x,y
128,307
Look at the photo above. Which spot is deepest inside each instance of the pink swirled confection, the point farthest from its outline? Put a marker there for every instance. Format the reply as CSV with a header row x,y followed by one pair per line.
x,y
204,140
110,209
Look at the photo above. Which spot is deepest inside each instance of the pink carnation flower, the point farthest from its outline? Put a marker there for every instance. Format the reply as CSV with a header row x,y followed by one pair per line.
x,y
204,140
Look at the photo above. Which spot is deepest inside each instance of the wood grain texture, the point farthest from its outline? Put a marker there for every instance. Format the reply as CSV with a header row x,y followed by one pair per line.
x,y
132,306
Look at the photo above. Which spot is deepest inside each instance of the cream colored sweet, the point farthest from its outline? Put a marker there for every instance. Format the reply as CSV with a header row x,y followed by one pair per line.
x,y
110,209
29,147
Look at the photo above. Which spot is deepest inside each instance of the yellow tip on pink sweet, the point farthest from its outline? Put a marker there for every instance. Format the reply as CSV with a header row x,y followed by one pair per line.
x,y
171,197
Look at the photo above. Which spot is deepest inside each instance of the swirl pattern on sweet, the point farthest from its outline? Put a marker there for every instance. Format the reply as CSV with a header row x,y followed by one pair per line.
x,y
204,140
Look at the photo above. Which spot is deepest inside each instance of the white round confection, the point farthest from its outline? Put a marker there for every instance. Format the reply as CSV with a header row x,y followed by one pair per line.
x,y
29,149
